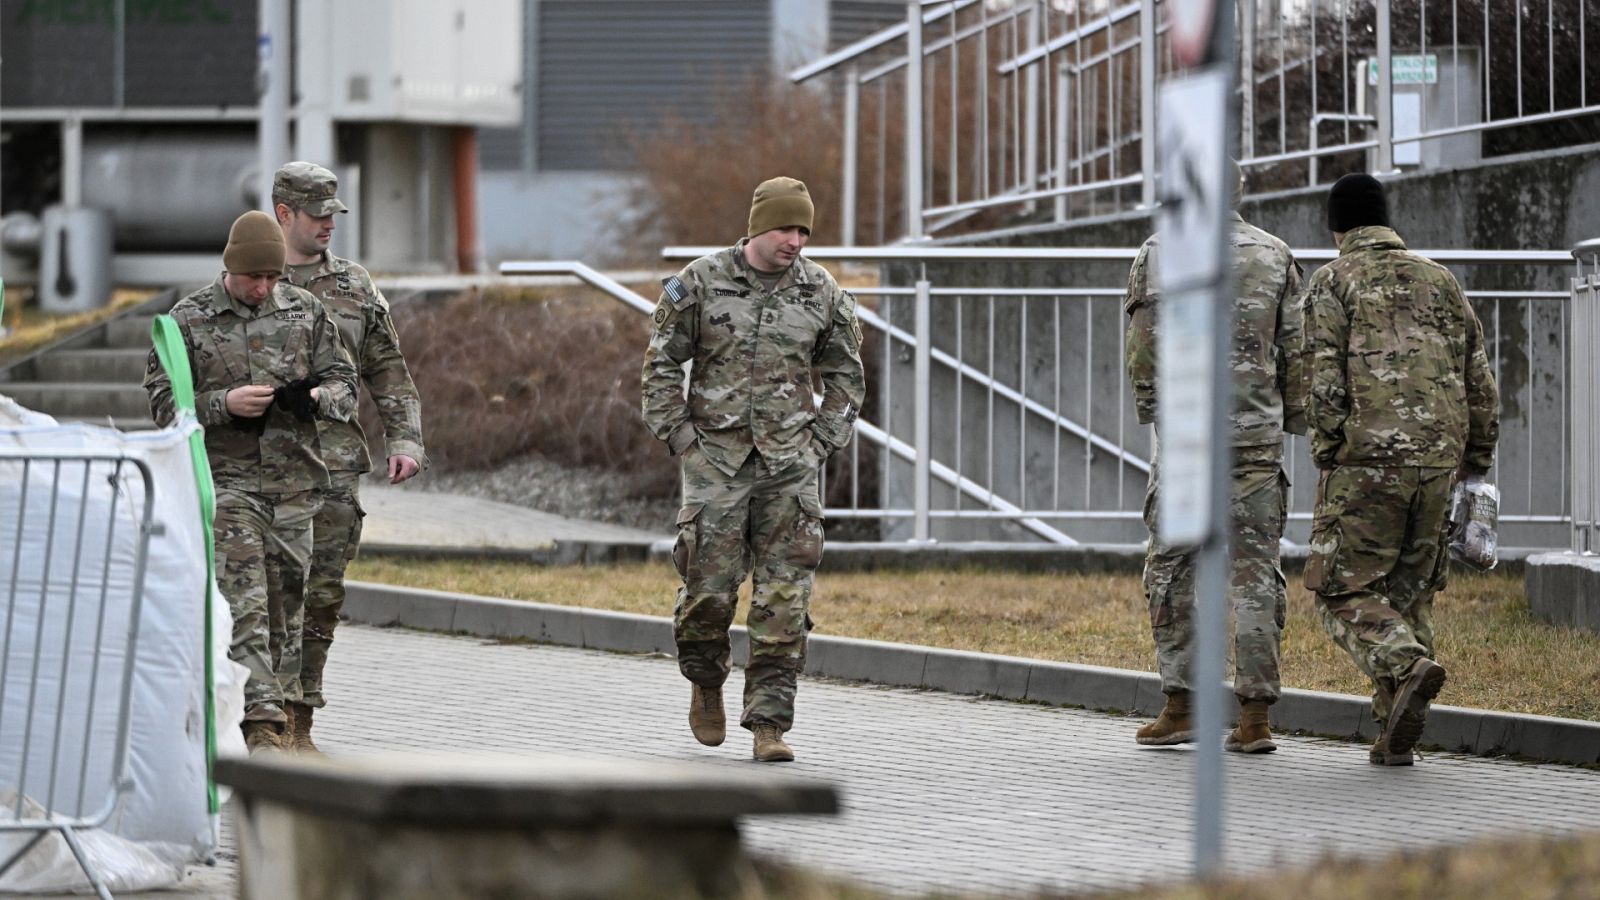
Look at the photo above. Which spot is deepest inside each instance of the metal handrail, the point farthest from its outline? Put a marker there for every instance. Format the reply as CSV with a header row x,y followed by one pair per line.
x,y
916,253
856,50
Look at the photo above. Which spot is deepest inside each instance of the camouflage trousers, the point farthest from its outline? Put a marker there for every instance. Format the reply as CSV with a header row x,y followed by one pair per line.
x,y
760,524
263,552
1257,507
336,535
1378,554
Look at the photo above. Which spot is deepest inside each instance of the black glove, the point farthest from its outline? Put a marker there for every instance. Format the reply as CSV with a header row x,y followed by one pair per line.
x,y
256,426
296,398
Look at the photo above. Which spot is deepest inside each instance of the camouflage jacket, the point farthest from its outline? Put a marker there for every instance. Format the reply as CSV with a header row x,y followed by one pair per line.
x,y
288,336
754,356
359,309
1399,375
1268,382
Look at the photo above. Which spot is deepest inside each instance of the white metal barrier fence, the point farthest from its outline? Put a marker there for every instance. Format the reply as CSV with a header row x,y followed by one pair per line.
x,y
1584,378
72,560
1020,102
1009,404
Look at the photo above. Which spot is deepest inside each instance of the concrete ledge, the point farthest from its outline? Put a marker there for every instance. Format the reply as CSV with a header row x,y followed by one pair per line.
x,y
1481,732
1564,589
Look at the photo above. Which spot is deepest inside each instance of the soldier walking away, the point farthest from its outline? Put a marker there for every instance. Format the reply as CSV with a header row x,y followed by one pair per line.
x,y
759,323
1268,399
304,199
267,365
1401,402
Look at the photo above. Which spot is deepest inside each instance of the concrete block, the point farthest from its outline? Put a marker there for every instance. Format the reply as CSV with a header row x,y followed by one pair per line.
x,y
1148,698
1564,589
627,632
1539,737
495,618
1092,687
386,605
1320,712
854,659
1453,728
975,673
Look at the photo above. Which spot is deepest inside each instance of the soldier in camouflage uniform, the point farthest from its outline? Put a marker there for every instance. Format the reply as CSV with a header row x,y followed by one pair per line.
x,y
1268,399
251,342
1401,401
759,323
304,198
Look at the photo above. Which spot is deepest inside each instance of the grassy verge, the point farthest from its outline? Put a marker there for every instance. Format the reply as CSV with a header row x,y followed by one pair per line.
x,y
1499,656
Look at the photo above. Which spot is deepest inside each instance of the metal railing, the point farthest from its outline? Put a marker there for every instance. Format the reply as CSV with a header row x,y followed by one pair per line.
x,y
1028,102
1018,395
76,532
1584,392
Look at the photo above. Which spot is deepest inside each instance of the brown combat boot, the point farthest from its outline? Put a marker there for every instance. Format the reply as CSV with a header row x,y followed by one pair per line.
x,y
1379,755
1411,701
300,728
706,718
770,746
1253,734
264,737
1172,726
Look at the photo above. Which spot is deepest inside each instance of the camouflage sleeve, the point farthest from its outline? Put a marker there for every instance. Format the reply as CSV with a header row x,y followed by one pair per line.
x,y
1327,337
844,380
1291,352
210,407
336,396
1483,401
672,343
384,371
1141,337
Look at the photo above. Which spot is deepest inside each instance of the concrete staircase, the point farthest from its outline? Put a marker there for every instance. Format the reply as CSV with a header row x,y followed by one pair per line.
x,y
93,375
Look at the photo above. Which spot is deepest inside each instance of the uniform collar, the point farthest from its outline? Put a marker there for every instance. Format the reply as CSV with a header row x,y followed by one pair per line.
x,y
1371,237
328,264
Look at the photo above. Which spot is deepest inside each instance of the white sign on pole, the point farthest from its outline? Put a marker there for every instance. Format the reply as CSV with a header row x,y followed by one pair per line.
x,y
1189,262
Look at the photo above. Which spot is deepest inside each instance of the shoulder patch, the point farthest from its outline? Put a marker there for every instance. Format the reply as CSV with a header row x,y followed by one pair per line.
x,y
678,292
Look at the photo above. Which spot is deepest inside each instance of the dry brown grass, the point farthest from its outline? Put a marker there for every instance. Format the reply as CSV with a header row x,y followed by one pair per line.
x,y
1499,656
1523,869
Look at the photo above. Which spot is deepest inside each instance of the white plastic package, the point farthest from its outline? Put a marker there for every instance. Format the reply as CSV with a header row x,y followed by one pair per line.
x,y
1474,520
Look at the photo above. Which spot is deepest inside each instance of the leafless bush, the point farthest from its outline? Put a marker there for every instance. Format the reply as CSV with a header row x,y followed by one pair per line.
x,y
510,372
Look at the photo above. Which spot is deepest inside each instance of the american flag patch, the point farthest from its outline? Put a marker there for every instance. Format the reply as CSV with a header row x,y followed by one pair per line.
x,y
675,289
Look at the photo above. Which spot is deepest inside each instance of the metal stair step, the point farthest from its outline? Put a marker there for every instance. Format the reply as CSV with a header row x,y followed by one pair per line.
x,y
84,400
107,365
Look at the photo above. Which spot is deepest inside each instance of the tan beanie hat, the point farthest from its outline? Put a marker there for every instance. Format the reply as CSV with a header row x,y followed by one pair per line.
x,y
779,203
255,244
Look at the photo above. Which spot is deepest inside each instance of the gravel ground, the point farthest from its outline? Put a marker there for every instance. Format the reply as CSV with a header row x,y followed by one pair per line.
x,y
534,482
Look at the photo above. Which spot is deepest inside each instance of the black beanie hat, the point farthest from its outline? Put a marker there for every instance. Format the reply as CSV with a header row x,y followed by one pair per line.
x,y
1356,200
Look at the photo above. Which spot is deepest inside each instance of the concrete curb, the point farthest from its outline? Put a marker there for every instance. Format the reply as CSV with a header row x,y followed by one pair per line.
x,y
1564,589
864,556
1481,732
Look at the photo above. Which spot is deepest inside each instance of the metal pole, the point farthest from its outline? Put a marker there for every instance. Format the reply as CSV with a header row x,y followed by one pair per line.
x,y
72,162
1030,106
922,368
852,129
1211,568
272,89
1385,149
913,134
1062,85
1247,75
1147,103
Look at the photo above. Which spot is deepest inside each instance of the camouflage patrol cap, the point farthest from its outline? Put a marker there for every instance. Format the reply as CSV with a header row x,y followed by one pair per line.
x,y
308,186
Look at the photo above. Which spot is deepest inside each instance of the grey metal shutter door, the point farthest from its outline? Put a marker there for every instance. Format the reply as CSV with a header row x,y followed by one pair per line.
x,y
607,68
852,20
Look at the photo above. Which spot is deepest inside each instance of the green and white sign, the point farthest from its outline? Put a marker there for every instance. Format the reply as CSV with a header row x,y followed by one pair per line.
x,y
1407,69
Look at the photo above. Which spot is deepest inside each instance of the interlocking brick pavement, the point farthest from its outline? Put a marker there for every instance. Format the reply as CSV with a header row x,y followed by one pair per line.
x,y
941,792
